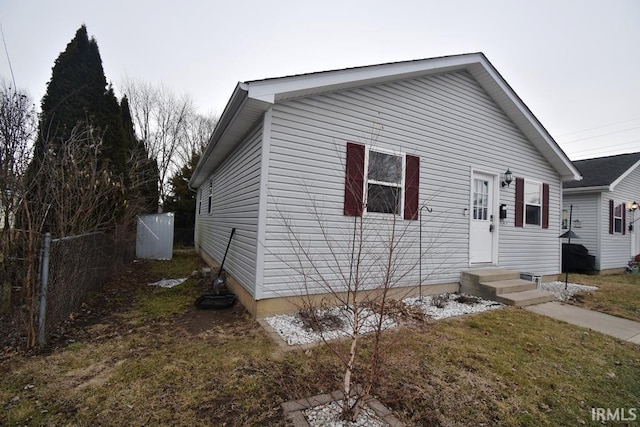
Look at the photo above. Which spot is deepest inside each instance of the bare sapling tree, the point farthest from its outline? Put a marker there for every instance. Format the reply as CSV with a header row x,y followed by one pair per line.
x,y
358,262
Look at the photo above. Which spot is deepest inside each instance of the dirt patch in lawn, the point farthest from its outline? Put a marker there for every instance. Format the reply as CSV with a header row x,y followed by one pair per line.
x,y
128,304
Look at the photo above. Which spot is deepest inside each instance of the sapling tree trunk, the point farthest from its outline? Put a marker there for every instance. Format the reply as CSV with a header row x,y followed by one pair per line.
x,y
356,264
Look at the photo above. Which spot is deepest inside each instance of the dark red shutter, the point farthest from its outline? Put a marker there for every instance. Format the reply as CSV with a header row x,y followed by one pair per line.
x,y
519,202
624,219
611,216
354,180
411,187
545,205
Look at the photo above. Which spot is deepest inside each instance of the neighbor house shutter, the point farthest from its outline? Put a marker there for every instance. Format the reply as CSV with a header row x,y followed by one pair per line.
x,y
545,205
411,187
354,180
624,219
611,216
519,202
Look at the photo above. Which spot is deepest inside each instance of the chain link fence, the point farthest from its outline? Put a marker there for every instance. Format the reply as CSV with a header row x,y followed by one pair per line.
x,y
77,266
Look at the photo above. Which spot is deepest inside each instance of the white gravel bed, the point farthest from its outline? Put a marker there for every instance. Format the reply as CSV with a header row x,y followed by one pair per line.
x,y
329,415
294,332
562,294
452,308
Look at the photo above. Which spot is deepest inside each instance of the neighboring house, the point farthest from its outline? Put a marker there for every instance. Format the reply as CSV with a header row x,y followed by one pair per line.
x,y
602,214
445,130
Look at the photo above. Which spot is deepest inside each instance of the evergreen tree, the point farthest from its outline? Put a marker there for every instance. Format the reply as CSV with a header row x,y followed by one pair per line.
x,y
77,94
79,112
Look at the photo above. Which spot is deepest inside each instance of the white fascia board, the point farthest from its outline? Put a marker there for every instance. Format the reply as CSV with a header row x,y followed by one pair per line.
x,y
595,189
624,175
272,90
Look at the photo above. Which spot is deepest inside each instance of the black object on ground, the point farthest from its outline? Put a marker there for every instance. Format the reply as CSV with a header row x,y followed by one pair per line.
x,y
218,300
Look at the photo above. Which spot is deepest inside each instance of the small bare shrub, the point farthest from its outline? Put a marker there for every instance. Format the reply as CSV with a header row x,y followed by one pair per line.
x,y
440,301
321,320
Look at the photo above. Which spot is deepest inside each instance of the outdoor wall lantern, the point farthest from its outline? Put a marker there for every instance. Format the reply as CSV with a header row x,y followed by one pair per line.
x,y
507,178
633,206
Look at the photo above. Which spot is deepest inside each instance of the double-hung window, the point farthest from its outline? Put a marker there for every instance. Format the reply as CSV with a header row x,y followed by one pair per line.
x,y
617,219
381,181
533,203
384,183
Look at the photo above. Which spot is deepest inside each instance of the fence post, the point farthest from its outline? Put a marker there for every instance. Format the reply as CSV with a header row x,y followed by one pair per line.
x,y
44,277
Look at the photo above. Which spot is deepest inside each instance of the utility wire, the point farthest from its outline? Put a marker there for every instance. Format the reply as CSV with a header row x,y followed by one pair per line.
x,y
599,127
13,78
601,135
596,150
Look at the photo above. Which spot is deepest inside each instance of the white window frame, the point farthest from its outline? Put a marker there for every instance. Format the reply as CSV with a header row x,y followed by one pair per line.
x,y
400,186
525,204
618,219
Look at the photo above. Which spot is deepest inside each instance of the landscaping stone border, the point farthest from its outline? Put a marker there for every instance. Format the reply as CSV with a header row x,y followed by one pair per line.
x,y
293,410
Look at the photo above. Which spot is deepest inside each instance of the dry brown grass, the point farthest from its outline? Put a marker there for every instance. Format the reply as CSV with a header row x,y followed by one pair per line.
x,y
618,295
138,365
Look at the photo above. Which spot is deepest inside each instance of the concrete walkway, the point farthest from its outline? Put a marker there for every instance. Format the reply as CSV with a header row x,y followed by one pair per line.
x,y
618,327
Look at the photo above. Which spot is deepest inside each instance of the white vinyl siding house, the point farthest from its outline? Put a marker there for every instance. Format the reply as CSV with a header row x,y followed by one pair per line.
x,y
601,209
231,196
453,120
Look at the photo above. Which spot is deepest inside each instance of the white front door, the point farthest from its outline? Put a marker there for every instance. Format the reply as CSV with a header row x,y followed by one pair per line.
x,y
482,229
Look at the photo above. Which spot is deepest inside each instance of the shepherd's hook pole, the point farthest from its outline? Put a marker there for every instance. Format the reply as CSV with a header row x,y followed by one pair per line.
x,y
44,275
566,264
420,248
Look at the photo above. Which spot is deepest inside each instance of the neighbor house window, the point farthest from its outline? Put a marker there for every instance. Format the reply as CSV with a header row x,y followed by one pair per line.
x,y
617,218
565,219
380,181
532,203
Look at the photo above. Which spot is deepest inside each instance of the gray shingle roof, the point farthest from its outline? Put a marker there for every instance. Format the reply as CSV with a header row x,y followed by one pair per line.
x,y
602,171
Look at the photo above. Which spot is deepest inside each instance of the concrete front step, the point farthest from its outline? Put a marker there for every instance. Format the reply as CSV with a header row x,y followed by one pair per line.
x,y
525,298
502,285
507,286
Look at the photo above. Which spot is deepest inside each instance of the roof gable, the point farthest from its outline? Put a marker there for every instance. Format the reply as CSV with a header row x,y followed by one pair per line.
x,y
604,173
251,99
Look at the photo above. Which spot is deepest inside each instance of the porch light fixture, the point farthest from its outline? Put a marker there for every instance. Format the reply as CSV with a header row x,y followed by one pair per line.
x,y
507,178
633,207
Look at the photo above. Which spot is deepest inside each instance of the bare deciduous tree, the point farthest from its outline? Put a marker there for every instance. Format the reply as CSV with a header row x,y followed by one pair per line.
x,y
169,126
18,123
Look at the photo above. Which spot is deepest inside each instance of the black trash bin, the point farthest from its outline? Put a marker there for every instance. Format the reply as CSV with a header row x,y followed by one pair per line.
x,y
576,259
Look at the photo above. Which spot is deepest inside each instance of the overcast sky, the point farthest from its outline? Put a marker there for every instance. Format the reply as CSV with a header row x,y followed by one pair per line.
x,y
575,63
